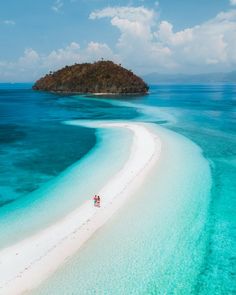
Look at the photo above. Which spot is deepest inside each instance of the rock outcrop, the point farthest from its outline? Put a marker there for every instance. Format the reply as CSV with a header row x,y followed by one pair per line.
x,y
99,77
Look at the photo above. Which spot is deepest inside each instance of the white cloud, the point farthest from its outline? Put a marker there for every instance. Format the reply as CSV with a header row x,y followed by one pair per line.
x,y
145,44
97,51
73,53
166,35
9,22
143,14
209,46
57,5
60,57
31,65
30,58
136,45
135,22
232,2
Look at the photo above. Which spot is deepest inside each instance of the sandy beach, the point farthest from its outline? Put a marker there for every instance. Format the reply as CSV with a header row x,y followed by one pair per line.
x,y
23,266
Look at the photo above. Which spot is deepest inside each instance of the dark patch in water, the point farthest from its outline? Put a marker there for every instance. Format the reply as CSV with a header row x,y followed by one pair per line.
x,y
56,147
160,122
3,203
10,133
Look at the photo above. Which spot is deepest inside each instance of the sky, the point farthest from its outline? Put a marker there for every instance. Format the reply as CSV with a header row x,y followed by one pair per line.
x,y
165,36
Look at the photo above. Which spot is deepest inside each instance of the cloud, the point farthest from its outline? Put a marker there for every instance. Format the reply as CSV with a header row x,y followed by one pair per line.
x,y
146,43
209,46
24,69
60,57
125,12
73,53
166,35
135,22
232,2
9,22
57,5
97,50
31,65
135,45
29,58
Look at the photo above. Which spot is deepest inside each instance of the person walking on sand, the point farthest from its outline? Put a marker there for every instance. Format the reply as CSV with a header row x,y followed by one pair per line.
x,y
98,201
95,199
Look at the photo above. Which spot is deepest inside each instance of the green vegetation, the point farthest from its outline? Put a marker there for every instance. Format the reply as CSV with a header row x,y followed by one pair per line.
x,y
98,77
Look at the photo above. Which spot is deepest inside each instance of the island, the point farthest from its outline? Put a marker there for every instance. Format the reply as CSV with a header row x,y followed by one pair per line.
x,y
101,77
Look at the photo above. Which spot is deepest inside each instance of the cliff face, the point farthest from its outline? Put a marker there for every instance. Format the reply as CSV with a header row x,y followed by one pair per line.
x,y
99,77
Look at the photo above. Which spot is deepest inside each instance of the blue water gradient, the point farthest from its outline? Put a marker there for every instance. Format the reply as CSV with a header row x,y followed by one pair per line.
x,y
57,197
154,244
35,147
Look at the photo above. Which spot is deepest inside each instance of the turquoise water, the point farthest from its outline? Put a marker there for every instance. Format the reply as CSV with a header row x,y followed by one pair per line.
x,y
152,245
33,212
207,115
180,238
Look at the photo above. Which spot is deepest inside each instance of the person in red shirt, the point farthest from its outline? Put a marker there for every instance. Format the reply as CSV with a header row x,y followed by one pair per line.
x,y
95,198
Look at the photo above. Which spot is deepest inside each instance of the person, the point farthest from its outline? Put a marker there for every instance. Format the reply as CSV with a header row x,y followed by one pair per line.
x,y
95,198
98,201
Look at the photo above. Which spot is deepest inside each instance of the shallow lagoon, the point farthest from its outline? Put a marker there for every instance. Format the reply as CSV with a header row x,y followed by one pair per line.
x,y
203,113
154,244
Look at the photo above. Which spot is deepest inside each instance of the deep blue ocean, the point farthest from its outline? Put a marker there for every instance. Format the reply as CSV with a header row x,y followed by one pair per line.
x,y
35,147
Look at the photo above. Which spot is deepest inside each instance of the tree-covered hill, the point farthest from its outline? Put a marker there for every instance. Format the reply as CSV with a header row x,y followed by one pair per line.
x,y
98,77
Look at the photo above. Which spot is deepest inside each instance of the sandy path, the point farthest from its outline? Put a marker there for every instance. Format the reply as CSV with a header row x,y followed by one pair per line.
x,y
23,266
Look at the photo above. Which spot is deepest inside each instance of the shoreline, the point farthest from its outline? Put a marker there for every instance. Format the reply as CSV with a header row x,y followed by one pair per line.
x,y
37,257
95,93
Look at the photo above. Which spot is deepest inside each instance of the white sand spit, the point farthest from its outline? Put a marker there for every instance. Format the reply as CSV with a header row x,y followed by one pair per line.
x,y
24,265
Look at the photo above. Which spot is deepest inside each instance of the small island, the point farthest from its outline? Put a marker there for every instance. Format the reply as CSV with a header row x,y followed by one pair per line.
x,y
101,77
